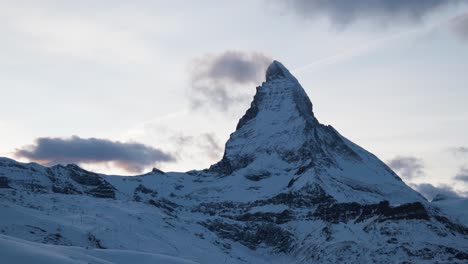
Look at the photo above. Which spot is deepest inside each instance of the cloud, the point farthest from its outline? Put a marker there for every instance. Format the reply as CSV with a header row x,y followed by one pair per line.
x,y
211,146
430,191
215,79
132,157
459,151
206,143
344,12
459,25
407,166
462,175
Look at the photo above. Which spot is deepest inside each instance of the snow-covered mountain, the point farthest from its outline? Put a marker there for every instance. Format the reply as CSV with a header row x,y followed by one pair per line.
x,y
287,190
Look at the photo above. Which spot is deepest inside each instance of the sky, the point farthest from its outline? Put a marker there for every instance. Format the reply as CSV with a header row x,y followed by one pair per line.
x,y
120,87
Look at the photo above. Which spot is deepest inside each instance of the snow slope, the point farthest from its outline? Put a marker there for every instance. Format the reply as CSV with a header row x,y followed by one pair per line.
x,y
18,251
457,208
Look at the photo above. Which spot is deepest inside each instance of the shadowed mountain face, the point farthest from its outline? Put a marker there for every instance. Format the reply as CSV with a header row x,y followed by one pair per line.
x,y
287,190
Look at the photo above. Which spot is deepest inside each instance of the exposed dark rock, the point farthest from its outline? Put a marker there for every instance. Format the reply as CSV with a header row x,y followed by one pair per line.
x,y
407,211
67,189
327,233
14,164
258,177
275,71
84,177
95,242
291,182
392,240
143,189
252,112
34,187
4,182
451,225
345,212
226,166
253,235
306,198
164,204
155,170
431,253
213,208
277,218
56,239
102,191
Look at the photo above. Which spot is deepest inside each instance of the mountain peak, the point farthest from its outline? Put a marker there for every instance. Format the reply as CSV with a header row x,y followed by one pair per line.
x,y
280,135
281,96
277,70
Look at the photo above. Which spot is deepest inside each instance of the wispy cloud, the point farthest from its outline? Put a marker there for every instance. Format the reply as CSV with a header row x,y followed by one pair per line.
x,y
459,151
132,157
408,167
462,175
211,145
206,143
215,78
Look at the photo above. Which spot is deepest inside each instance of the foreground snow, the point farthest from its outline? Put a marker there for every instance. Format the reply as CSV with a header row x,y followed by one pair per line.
x,y
18,251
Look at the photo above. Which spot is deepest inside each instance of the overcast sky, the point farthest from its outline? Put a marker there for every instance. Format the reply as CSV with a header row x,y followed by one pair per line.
x,y
123,86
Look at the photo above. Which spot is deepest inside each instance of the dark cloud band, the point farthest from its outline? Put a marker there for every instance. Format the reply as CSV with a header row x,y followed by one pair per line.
x,y
344,12
133,157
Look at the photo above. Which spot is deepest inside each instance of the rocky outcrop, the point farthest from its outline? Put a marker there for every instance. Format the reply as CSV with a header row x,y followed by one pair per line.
x,y
344,212
4,182
253,235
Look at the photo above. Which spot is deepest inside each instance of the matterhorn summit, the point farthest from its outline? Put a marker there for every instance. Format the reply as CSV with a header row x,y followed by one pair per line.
x,y
288,189
281,140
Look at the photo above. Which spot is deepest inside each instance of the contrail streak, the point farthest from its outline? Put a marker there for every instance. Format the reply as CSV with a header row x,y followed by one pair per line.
x,y
359,50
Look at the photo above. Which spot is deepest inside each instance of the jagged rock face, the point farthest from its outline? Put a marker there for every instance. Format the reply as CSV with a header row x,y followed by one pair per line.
x,y
4,182
288,190
69,179
280,111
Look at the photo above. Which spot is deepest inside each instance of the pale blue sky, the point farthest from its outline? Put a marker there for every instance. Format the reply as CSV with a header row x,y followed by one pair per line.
x,y
120,70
